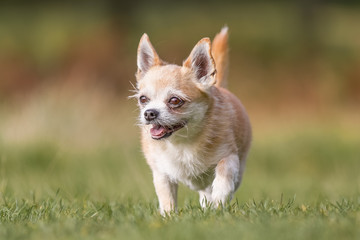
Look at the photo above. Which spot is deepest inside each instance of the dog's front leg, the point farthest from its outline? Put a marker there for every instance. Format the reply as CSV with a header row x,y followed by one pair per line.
x,y
226,178
166,191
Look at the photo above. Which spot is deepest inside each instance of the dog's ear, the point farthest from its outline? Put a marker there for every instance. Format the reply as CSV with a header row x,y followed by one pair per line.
x,y
202,63
146,55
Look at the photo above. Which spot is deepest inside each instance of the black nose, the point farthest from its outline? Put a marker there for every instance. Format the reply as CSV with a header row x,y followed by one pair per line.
x,y
151,114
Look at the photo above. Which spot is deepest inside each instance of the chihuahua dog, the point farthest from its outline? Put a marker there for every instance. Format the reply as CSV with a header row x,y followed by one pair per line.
x,y
194,131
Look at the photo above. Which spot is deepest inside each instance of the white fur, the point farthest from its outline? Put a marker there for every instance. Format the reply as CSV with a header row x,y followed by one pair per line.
x,y
182,162
224,183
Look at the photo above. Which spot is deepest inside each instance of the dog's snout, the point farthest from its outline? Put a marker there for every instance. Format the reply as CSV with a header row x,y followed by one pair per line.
x,y
151,114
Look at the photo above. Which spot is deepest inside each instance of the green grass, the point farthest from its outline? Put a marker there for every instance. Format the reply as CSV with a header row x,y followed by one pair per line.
x,y
59,218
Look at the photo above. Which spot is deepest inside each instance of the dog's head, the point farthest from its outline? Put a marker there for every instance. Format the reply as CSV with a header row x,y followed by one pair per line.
x,y
174,98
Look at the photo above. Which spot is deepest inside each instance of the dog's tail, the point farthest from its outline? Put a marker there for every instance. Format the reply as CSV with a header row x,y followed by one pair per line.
x,y
219,50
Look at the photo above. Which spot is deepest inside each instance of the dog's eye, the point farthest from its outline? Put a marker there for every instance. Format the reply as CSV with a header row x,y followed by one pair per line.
x,y
143,99
175,102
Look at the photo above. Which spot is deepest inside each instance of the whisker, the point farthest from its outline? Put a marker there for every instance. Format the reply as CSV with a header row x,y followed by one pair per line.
x,y
135,110
185,113
187,131
134,87
133,96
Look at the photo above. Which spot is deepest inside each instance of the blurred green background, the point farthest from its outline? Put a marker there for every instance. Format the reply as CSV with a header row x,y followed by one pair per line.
x,y
67,126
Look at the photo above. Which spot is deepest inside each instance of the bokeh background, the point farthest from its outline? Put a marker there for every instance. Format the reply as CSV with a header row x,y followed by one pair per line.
x,y
67,126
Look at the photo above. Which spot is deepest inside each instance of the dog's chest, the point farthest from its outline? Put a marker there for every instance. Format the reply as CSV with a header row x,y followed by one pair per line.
x,y
182,163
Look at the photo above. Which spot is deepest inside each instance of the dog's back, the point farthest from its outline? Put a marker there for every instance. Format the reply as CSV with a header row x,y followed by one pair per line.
x,y
240,125
219,51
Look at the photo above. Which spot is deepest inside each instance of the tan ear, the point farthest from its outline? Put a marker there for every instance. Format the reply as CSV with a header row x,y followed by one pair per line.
x,y
202,63
146,55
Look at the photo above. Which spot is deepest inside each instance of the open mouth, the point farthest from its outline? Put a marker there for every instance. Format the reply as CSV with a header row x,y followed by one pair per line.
x,y
159,132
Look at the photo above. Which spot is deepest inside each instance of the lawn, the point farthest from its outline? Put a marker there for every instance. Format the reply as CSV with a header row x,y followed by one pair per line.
x,y
71,174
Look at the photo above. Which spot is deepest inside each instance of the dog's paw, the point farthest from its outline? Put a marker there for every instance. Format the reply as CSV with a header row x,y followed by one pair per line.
x,y
222,192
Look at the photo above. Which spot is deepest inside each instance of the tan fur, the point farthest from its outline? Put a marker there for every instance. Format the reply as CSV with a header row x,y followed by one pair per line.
x,y
219,50
209,153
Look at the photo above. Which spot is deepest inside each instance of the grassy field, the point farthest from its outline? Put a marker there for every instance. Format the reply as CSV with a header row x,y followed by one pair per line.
x,y
71,168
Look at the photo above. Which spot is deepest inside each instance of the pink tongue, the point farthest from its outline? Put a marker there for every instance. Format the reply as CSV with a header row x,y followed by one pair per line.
x,y
157,130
